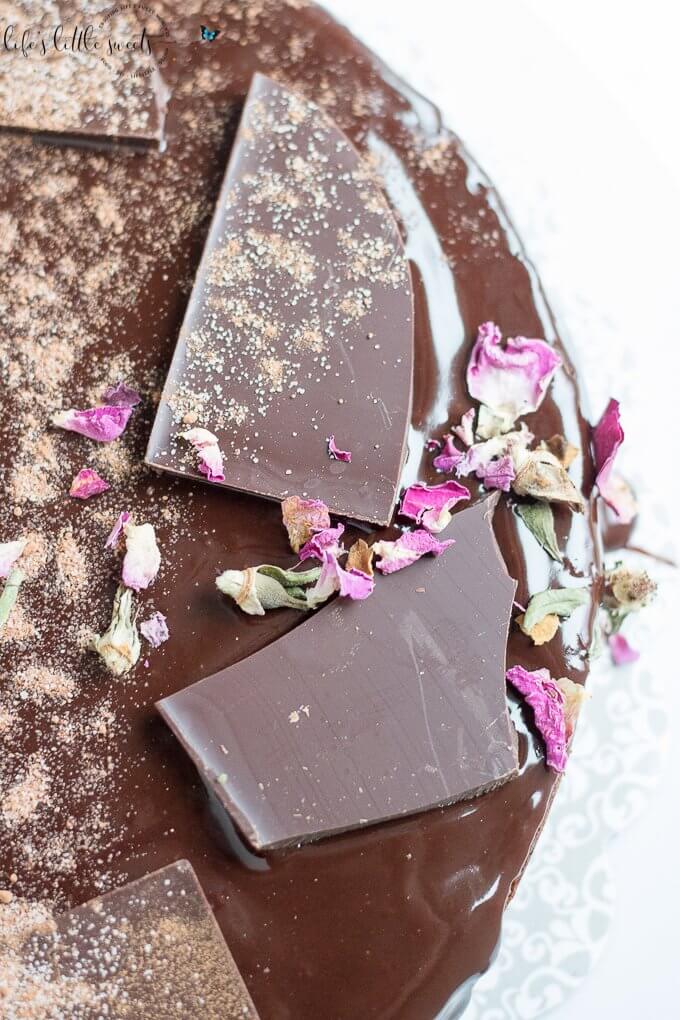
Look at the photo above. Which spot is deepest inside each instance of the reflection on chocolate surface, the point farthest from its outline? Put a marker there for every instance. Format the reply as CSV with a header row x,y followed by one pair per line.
x,y
405,710
95,790
300,323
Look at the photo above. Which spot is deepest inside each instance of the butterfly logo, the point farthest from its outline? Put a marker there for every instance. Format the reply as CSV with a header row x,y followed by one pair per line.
x,y
209,34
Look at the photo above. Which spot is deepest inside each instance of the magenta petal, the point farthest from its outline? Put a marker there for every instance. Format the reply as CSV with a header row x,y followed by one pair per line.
x,y
355,584
326,540
335,454
122,395
207,447
430,505
499,474
510,380
117,530
621,651
449,456
432,445
465,431
541,692
408,548
103,424
155,629
87,483
607,438
9,554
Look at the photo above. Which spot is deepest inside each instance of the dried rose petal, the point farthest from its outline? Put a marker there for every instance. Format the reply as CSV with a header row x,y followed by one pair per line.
x,y
408,548
607,438
87,483
465,431
565,451
499,474
327,540
155,629
449,456
509,380
480,457
142,557
117,530
547,700
335,454
622,652
352,584
302,518
207,446
122,395
103,424
9,554
430,505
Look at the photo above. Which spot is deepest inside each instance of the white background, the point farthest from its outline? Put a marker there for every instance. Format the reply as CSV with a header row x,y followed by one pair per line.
x,y
573,110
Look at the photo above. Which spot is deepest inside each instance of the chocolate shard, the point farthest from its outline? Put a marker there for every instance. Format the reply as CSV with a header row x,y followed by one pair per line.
x,y
300,323
93,81
405,711
149,949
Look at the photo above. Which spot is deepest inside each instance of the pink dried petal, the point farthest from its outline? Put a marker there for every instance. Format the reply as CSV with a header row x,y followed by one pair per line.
x,y
207,446
607,438
9,554
155,629
87,483
547,700
335,454
122,395
142,557
499,474
466,431
449,457
352,583
326,540
117,530
622,652
430,505
432,445
510,380
408,548
103,424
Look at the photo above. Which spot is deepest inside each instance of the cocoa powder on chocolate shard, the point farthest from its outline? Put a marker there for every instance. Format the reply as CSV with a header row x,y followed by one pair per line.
x,y
404,711
300,323
149,949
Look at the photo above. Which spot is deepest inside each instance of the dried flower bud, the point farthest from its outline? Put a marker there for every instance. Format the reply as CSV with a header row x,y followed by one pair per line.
x,y
257,589
119,646
539,474
628,590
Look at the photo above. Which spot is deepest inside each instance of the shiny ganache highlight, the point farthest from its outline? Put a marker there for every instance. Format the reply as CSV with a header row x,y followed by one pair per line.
x,y
96,790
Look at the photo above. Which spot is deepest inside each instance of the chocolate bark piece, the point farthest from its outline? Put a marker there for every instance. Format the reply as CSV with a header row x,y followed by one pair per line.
x,y
65,81
404,711
149,949
300,323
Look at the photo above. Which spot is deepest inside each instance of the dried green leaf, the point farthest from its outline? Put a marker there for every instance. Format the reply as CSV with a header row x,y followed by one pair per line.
x,y
558,601
9,594
539,519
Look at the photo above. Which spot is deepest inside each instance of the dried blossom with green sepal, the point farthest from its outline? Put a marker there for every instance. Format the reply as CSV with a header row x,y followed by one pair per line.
x,y
119,646
9,595
257,589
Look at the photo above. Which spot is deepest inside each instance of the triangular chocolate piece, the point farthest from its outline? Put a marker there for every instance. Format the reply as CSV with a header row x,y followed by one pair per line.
x,y
404,710
300,323
149,949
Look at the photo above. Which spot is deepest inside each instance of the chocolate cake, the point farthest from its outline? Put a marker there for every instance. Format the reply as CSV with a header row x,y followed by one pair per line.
x,y
352,785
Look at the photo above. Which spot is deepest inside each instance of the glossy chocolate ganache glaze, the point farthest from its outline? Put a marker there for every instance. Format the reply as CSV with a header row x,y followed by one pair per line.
x,y
98,251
